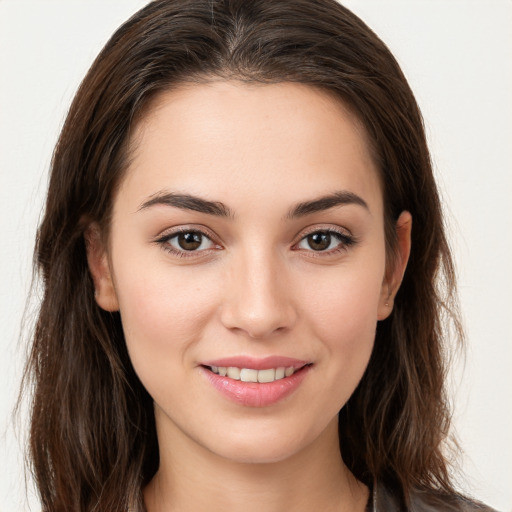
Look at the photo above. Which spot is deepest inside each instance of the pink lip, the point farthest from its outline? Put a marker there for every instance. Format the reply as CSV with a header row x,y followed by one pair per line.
x,y
257,363
252,394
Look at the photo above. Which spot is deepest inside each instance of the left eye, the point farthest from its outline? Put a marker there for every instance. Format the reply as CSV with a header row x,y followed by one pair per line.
x,y
190,241
320,241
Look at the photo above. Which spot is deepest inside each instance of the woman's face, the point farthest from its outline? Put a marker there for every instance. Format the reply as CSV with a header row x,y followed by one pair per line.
x,y
247,238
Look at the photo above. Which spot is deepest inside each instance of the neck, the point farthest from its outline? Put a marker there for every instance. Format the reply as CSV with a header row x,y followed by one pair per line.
x,y
190,477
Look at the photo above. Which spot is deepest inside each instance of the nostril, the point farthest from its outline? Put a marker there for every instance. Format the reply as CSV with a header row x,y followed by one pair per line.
x,y
258,301
258,323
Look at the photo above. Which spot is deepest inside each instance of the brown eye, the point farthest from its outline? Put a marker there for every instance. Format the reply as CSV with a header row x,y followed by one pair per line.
x,y
189,241
319,241
326,240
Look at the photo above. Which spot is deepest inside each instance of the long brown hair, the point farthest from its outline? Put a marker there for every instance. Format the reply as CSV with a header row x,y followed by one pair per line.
x,y
93,441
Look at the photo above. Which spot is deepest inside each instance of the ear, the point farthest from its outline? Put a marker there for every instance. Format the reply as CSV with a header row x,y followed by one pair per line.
x,y
99,267
395,273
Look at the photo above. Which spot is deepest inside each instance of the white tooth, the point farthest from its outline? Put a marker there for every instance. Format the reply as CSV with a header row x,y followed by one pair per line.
x,y
289,371
223,371
279,373
267,375
248,375
233,373
215,369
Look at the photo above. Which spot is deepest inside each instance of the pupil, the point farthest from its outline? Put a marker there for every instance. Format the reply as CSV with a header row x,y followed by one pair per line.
x,y
319,241
189,241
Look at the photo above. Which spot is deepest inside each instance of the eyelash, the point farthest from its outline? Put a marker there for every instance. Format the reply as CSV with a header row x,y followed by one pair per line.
x,y
164,242
345,242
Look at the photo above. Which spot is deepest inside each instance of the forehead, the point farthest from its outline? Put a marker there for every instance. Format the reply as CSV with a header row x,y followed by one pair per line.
x,y
224,139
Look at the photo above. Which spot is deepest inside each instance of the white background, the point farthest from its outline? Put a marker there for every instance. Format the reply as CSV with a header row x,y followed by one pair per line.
x,y
457,55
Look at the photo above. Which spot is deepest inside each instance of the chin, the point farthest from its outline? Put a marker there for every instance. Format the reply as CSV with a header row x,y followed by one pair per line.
x,y
254,453
264,445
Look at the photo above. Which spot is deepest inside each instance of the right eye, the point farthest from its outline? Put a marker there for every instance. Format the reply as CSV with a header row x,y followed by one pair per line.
x,y
190,241
186,243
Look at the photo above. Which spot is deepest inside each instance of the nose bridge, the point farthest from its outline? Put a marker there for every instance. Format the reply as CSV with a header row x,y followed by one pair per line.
x,y
258,300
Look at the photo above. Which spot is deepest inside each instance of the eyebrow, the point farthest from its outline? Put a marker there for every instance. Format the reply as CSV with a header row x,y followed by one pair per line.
x,y
197,204
327,202
187,202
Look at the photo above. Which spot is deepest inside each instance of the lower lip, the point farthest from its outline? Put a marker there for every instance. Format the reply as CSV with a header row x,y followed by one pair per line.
x,y
254,394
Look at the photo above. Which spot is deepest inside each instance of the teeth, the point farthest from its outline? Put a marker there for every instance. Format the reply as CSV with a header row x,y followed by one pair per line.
x,y
233,373
250,375
267,375
247,375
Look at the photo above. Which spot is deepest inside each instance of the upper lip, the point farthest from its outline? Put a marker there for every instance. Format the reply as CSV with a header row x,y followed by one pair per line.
x,y
255,363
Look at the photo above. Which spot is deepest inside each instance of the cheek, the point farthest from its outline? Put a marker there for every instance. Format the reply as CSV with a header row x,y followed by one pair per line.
x,y
163,312
343,314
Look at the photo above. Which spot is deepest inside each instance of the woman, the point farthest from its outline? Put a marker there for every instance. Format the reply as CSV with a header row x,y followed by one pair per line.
x,y
241,254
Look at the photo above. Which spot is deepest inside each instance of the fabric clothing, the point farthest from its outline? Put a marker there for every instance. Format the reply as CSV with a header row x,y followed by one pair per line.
x,y
383,500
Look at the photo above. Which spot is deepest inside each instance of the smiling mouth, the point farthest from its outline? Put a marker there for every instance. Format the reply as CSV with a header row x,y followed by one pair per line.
x,y
269,381
252,375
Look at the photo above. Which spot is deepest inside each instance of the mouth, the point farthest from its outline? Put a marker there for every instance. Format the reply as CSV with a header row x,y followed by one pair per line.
x,y
256,382
253,375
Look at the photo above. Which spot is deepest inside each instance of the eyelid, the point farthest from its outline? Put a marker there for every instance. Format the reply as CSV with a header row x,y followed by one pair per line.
x,y
347,239
166,235
187,228
343,232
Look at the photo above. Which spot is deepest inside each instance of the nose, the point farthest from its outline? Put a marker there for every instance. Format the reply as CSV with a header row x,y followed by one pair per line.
x,y
258,301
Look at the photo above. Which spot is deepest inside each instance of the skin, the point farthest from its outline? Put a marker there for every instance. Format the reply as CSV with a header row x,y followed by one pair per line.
x,y
255,287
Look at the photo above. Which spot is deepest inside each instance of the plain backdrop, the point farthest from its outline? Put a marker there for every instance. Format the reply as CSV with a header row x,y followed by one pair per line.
x,y
457,56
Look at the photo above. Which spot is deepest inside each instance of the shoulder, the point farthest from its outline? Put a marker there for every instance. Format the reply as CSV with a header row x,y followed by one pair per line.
x,y
425,501
428,501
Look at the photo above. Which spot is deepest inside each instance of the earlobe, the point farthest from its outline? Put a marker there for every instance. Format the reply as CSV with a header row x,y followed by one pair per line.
x,y
395,274
99,267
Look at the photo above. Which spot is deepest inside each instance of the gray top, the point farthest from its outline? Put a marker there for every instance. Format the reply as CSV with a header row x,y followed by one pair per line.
x,y
383,500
